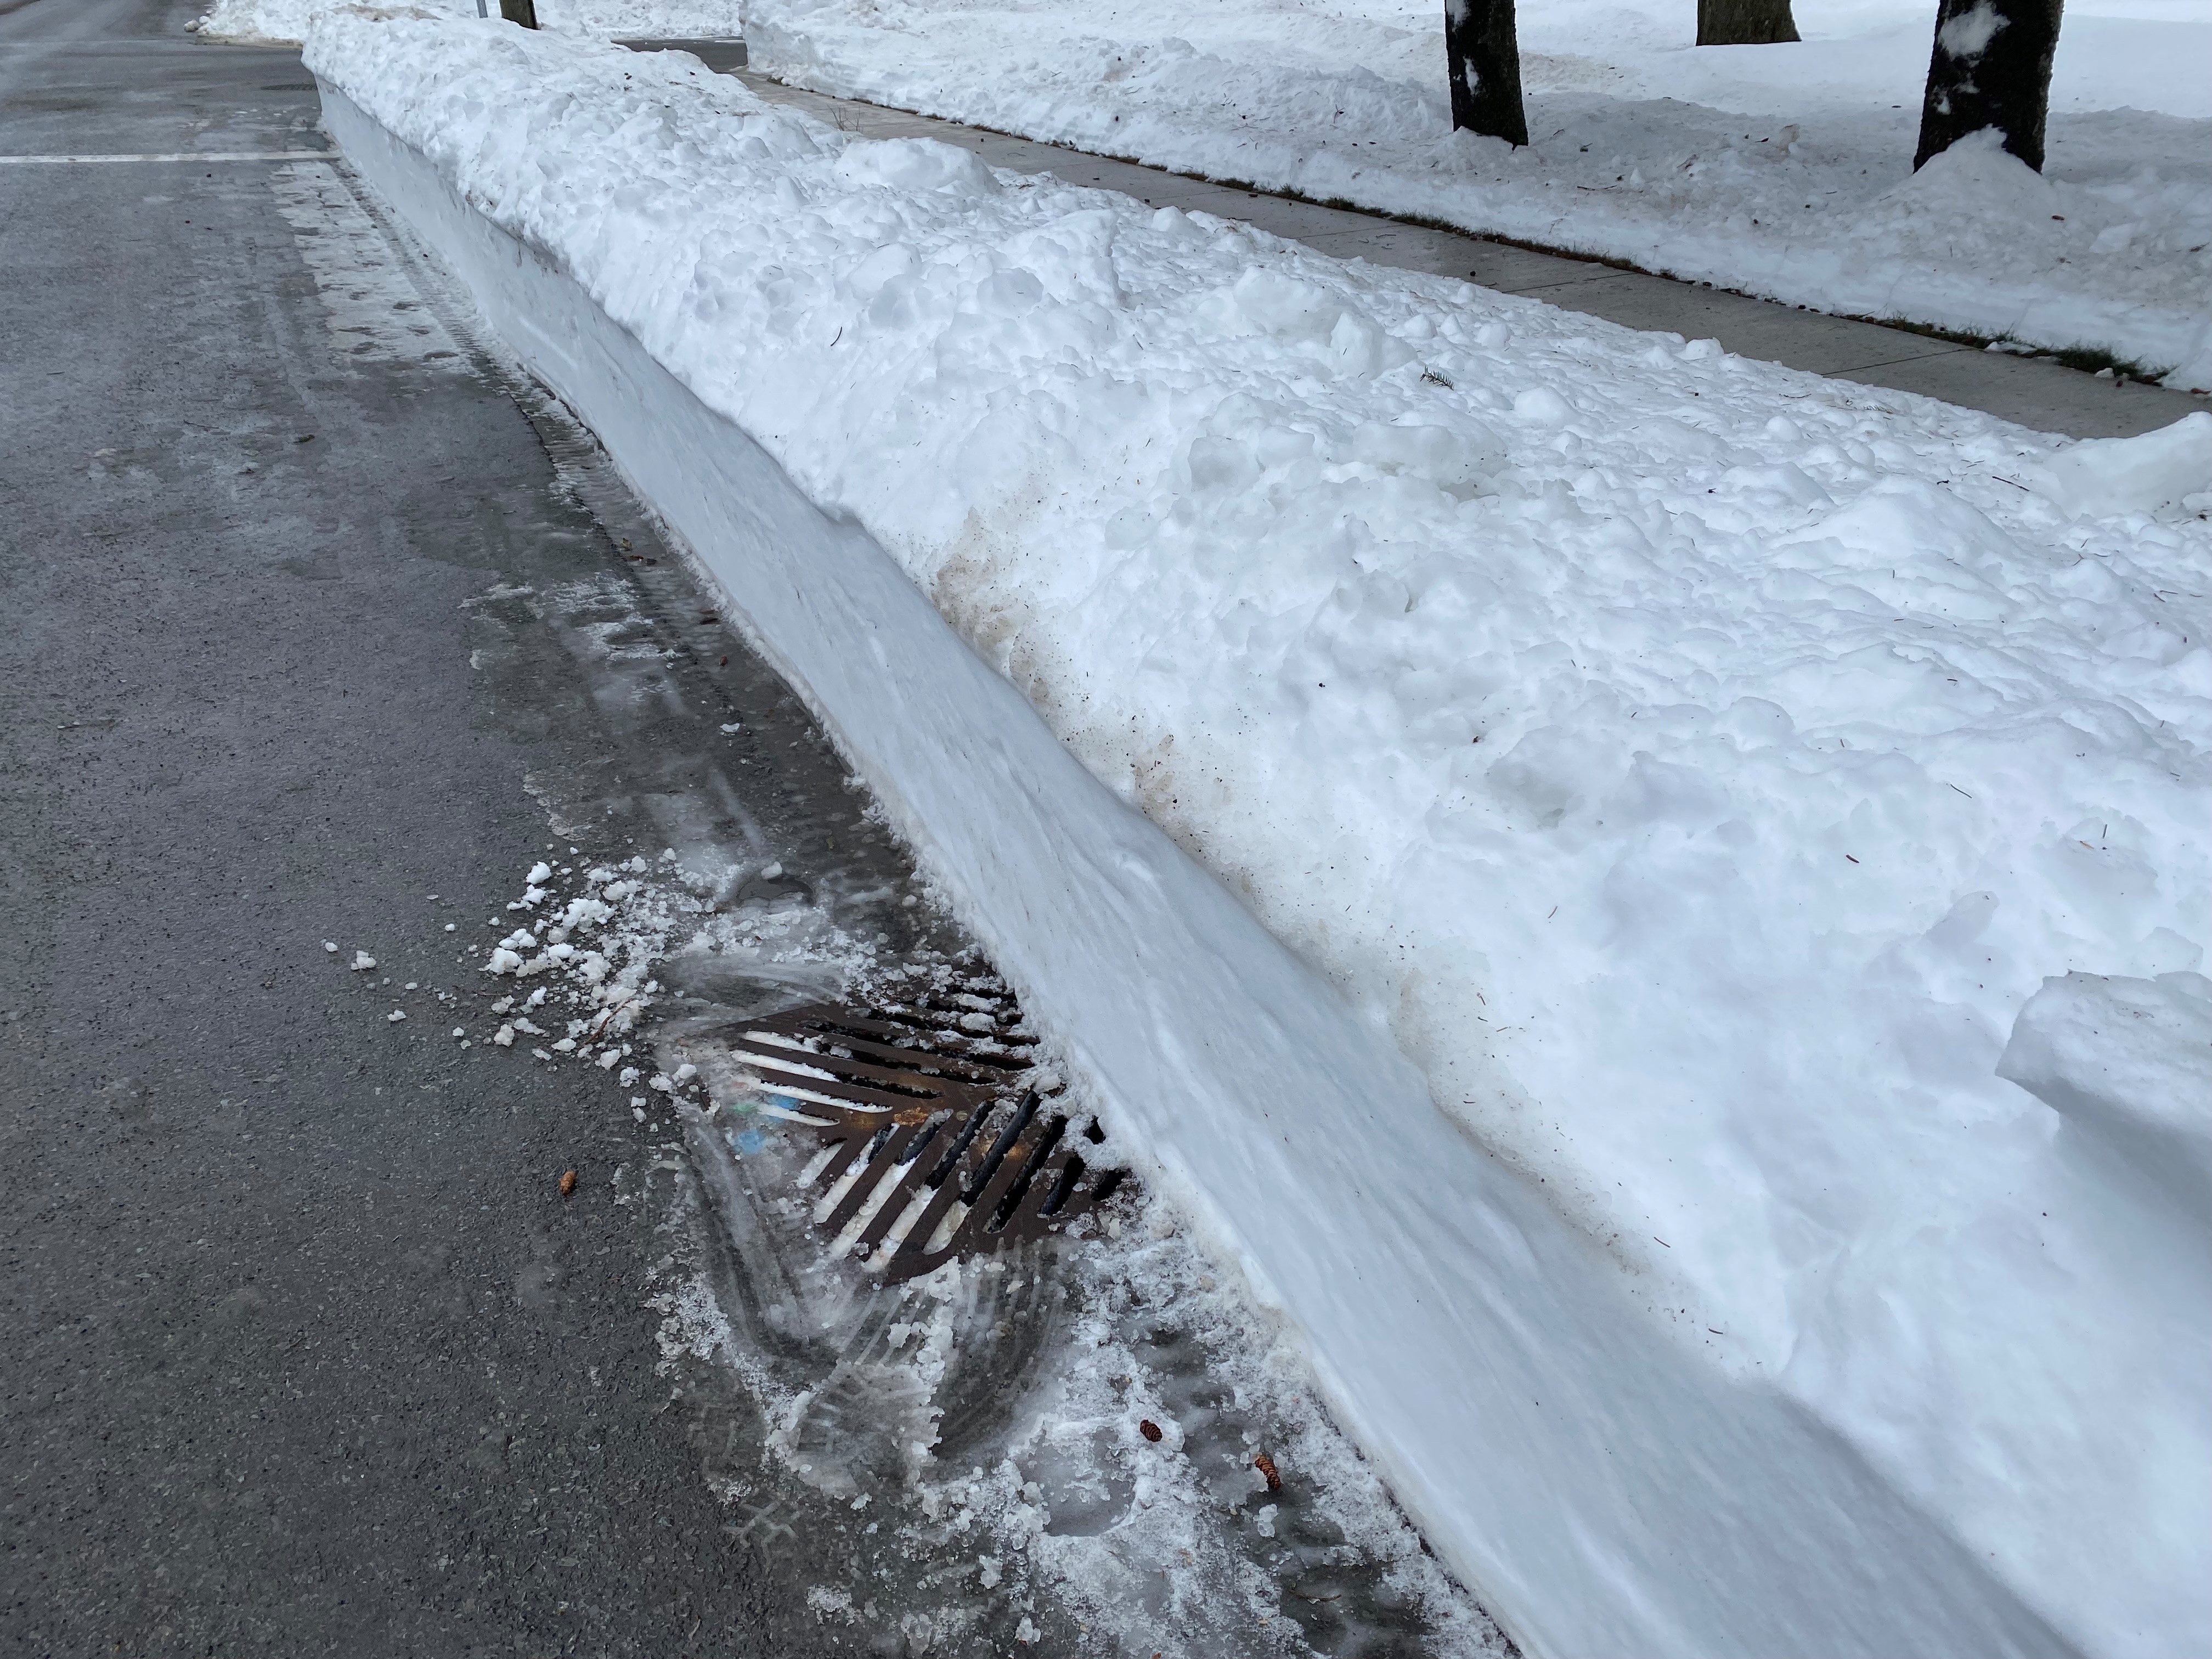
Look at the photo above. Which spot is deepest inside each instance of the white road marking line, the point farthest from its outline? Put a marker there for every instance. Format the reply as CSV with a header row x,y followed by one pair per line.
x,y
176,155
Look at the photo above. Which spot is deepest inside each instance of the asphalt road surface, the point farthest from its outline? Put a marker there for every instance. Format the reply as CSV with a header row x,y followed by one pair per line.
x,y
305,1351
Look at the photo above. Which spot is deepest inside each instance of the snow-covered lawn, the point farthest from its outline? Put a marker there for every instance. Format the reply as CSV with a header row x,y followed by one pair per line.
x,y
1782,170
1697,766
287,21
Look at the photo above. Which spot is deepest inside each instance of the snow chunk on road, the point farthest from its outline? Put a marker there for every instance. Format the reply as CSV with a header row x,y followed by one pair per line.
x,y
362,961
584,912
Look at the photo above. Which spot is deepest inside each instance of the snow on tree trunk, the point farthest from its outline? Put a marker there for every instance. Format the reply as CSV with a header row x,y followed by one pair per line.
x,y
1745,22
1991,68
1484,57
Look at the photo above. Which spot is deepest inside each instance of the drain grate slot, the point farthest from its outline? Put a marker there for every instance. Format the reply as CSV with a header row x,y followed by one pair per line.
x,y
932,1121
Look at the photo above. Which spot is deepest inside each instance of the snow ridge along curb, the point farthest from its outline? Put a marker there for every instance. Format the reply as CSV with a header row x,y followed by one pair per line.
x,y
1601,1490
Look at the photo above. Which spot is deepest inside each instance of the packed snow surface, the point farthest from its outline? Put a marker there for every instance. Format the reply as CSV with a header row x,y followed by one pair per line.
x,y
1697,765
1779,170
2127,1064
286,22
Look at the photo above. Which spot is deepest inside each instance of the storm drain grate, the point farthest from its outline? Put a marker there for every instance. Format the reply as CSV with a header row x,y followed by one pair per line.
x,y
937,1141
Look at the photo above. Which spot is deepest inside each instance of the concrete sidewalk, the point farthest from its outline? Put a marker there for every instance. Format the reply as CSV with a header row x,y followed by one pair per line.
x,y
2039,393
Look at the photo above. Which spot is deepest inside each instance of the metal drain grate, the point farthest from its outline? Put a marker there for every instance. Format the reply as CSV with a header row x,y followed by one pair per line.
x,y
938,1143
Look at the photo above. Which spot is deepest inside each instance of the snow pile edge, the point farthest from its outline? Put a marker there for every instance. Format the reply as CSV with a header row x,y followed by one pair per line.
x,y
1976,241
1600,1490
286,22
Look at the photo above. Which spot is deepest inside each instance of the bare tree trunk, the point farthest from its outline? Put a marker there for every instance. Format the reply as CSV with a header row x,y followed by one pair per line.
x,y
1991,68
1745,22
524,12
1483,54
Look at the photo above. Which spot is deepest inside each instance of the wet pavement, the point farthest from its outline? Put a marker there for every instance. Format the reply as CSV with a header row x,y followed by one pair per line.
x,y
307,1353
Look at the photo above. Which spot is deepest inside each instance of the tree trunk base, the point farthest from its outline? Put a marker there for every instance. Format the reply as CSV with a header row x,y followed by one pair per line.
x,y
1745,23
1991,68
1483,50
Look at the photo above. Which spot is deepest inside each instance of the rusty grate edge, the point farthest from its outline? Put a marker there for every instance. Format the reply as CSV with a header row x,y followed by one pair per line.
x,y
940,1145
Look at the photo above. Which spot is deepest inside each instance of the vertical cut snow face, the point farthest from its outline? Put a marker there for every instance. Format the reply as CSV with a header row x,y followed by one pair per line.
x,y
1698,766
